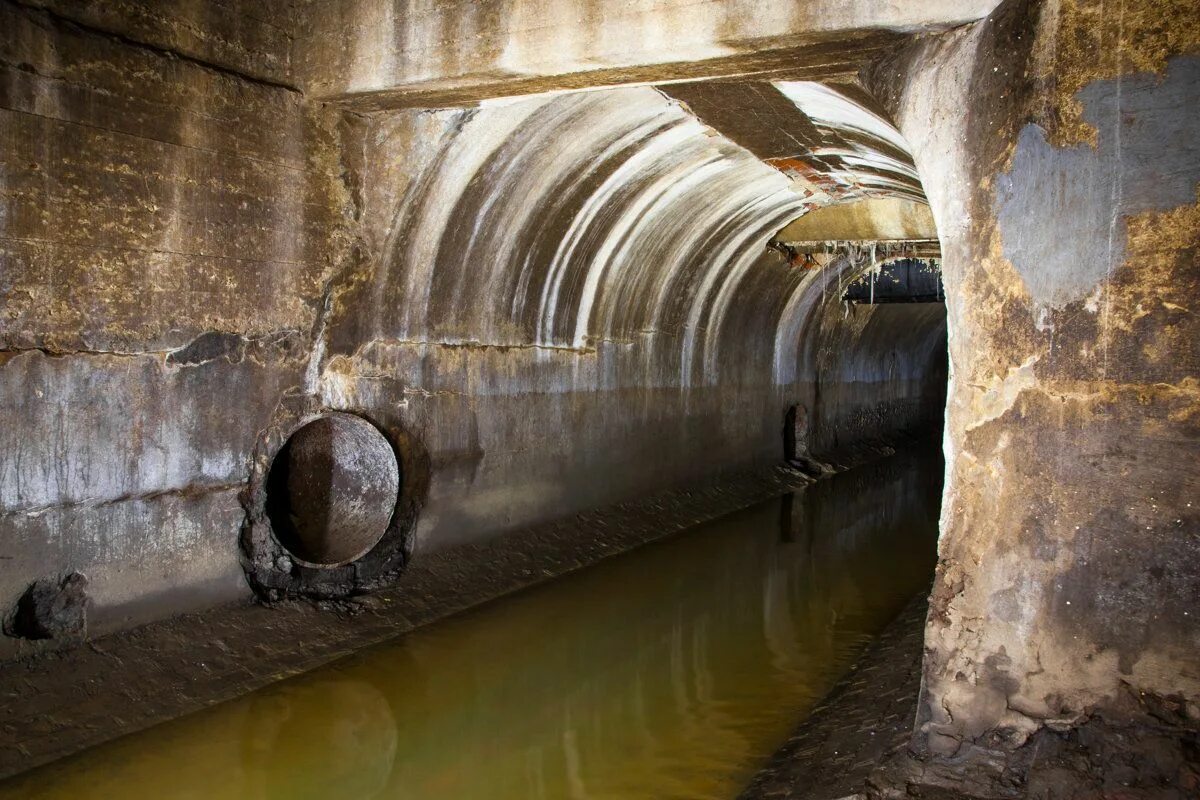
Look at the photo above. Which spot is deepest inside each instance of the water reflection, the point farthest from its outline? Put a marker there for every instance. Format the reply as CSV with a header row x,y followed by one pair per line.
x,y
671,672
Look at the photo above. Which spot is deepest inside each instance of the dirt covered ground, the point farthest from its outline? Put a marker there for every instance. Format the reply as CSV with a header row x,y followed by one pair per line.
x,y
856,745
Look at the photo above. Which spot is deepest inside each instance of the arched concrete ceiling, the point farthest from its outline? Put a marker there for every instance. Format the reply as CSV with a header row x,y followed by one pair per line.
x,y
568,220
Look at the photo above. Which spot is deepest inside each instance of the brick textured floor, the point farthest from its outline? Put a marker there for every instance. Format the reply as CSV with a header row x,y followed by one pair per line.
x,y
867,716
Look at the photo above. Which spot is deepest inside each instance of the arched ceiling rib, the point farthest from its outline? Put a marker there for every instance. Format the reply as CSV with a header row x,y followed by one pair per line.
x,y
561,222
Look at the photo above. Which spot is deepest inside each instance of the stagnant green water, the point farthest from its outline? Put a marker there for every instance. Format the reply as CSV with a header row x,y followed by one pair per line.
x,y
669,672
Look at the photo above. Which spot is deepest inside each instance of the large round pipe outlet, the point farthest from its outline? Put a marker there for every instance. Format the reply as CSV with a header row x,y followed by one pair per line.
x,y
332,490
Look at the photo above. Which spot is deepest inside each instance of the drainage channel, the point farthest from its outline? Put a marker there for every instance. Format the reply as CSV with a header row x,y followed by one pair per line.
x,y
673,671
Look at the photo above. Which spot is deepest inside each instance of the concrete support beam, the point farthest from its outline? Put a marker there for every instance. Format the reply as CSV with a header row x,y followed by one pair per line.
x,y
871,220
752,114
1065,199
832,141
385,53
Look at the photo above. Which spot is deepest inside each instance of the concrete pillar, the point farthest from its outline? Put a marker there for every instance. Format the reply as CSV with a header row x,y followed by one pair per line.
x,y
1057,144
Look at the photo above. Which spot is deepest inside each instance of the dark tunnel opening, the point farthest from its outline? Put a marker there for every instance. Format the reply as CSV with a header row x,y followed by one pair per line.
x,y
887,382
877,358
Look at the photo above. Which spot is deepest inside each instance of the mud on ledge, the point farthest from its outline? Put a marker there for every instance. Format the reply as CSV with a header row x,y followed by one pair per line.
x,y
855,744
1152,758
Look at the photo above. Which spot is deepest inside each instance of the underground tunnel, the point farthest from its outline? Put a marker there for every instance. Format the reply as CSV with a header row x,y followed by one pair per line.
x,y
592,399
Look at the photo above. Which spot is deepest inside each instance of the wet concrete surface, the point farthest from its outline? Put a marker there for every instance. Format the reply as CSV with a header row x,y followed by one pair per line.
x,y
672,671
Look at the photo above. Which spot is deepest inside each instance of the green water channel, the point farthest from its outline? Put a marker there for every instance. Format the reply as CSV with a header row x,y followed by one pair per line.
x,y
672,671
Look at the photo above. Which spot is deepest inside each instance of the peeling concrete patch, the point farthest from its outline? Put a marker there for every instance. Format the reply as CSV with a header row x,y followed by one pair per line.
x,y
997,399
1147,158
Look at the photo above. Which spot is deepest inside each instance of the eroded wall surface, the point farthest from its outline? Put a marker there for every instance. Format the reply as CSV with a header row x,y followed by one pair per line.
x,y
166,229
548,304
1066,203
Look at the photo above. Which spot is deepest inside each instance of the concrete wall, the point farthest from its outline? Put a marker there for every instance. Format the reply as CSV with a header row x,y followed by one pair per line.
x,y
247,38
549,304
1066,202
166,229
